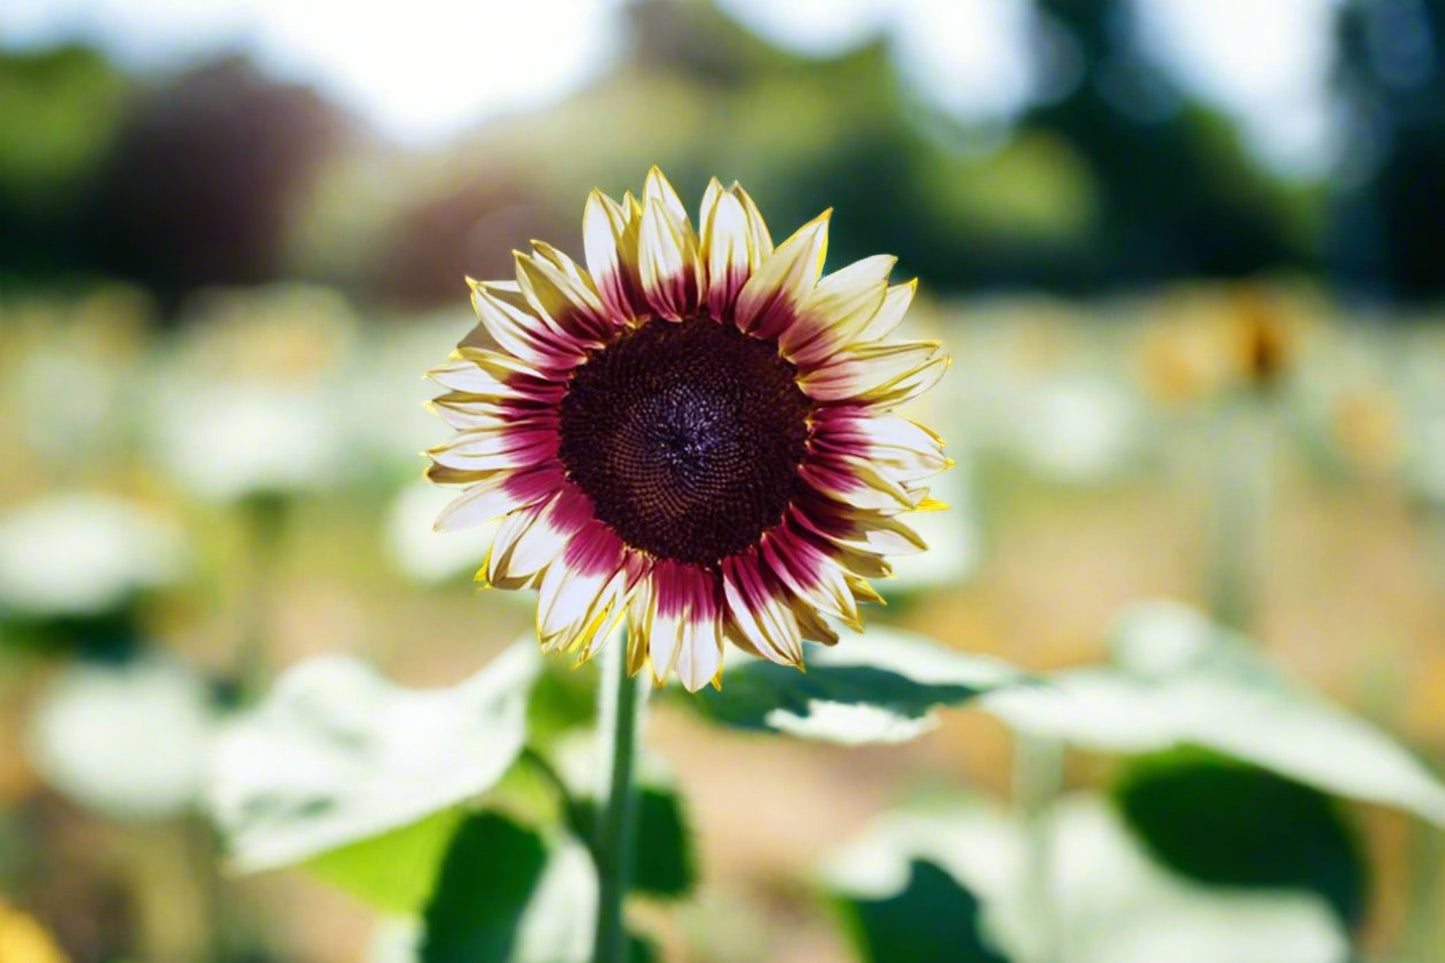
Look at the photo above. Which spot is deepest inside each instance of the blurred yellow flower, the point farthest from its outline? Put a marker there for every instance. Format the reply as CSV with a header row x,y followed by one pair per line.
x,y
1365,424
1211,339
22,940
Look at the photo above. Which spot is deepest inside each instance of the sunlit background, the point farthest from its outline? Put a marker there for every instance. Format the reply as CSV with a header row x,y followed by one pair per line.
x,y
1187,253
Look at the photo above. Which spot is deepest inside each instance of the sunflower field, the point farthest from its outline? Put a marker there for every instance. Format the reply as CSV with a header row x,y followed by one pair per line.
x,y
789,495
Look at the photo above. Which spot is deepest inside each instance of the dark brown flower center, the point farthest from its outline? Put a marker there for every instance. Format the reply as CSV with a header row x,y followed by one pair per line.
x,y
687,437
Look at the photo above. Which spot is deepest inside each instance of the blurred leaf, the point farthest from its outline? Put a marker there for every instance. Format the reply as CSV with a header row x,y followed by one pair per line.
x,y
490,873
1228,824
1108,900
337,754
932,920
564,698
877,687
1179,680
663,864
642,950
396,871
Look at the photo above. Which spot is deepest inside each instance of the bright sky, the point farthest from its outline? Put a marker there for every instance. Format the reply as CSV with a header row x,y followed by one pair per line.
x,y
428,68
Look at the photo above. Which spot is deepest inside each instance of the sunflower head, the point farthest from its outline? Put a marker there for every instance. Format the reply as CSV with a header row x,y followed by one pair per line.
x,y
695,432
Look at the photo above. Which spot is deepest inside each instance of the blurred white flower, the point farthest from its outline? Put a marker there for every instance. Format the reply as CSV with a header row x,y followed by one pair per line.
x,y
129,740
83,554
1425,463
248,400
226,441
1079,429
424,554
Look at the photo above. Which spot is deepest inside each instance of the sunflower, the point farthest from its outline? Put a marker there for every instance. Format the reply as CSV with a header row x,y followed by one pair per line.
x,y
695,432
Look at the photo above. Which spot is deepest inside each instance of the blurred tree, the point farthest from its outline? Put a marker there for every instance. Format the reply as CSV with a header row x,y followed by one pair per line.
x,y
58,113
1388,217
1117,179
1178,196
203,178
425,252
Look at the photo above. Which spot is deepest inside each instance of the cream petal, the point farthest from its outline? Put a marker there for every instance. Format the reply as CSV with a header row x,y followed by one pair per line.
x,y
521,333
569,600
466,412
664,642
837,309
499,558
667,251
889,314
466,376
760,242
883,535
710,195
657,190
725,253
474,459
641,609
561,294
855,482
594,637
909,386
864,565
811,576
750,633
768,303
866,531
610,239
813,627
498,364
533,546
759,614
857,372
444,475
862,591
699,652
495,497
474,412
904,450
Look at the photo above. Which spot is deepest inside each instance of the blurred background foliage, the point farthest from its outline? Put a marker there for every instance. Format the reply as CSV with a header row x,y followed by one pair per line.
x,y
1109,173
1190,364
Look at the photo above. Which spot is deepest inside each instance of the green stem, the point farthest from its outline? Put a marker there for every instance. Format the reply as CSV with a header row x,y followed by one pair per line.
x,y
612,845
266,517
1240,506
1038,779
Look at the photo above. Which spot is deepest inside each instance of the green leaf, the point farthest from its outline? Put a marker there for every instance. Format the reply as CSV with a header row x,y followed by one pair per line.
x,y
337,754
932,920
881,686
1179,680
488,878
663,862
396,871
1228,824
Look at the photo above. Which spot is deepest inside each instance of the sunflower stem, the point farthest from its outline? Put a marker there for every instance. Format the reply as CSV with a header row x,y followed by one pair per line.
x,y
612,845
